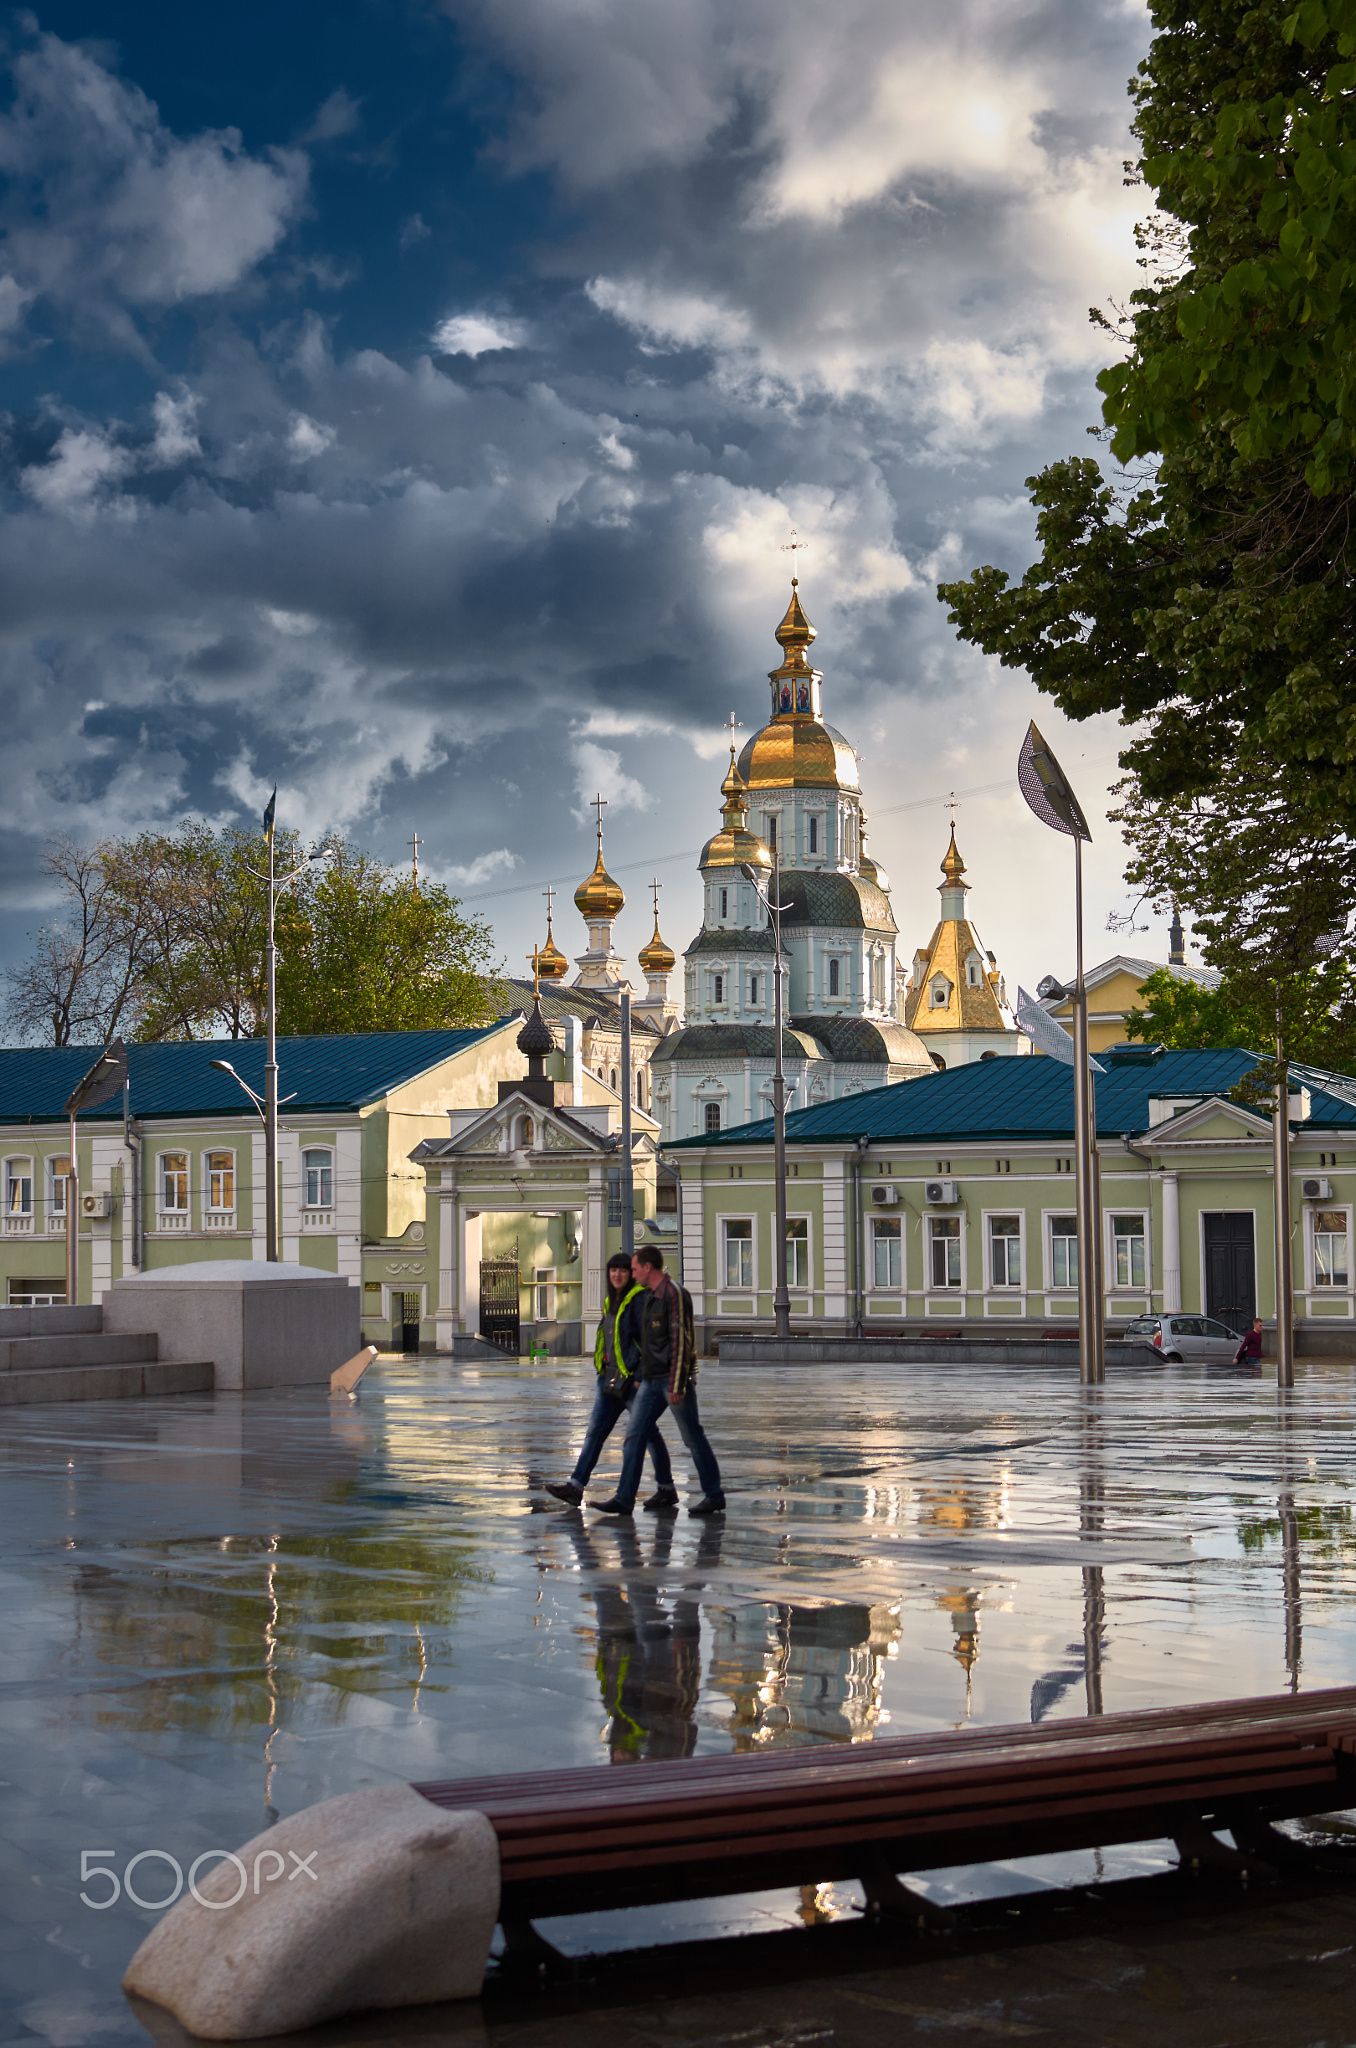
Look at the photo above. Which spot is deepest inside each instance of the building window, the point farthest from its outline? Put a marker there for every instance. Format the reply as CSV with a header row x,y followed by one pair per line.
x,y
1330,1248
814,835
944,1251
18,1187
544,1293
37,1293
1064,1251
718,988
174,1183
220,1180
753,990
317,1177
835,978
614,1198
640,1091
1129,1260
725,903
58,1182
612,1081
772,832
738,1261
711,1116
887,1251
940,993
878,980
1005,1251
798,1251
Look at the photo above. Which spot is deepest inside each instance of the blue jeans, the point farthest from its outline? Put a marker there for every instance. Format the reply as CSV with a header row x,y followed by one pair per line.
x,y
607,1413
651,1401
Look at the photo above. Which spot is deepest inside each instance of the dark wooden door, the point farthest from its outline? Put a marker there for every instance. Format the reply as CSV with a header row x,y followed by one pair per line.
x,y
499,1287
405,1320
1230,1267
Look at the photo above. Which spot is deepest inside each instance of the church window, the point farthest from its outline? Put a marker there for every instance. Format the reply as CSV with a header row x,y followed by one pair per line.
x,y
718,988
711,1116
972,971
753,990
835,978
814,835
725,903
772,831
640,1091
878,980
940,992
526,1133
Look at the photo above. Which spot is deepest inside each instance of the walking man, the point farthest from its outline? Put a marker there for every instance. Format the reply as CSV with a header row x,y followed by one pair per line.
x,y
616,1360
668,1378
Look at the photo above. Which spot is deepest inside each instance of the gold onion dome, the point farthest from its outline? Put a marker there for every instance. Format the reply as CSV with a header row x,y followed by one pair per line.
x,y
657,957
734,846
797,750
953,867
599,896
795,632
550,961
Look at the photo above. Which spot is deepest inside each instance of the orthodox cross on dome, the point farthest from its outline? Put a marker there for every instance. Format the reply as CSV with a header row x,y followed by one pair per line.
x,y
732,727
793,547
415,843
599,805
953,804
655,887
536,975
549,892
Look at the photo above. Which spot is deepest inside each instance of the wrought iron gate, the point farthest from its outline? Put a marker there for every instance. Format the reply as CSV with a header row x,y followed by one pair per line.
x,y
499,1298
405,1308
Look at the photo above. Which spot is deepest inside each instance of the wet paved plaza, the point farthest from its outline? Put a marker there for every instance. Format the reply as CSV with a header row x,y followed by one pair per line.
x,y
216,1612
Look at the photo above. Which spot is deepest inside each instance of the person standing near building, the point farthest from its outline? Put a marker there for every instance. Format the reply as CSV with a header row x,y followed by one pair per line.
x,y
668,1378
1249,1349
616,1361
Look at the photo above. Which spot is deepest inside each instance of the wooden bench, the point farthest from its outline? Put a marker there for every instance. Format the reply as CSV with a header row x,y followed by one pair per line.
x,y
574,1841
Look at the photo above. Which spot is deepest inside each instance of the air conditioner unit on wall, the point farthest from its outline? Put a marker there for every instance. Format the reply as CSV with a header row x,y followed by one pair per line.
x,y
1316,1190
884,1195
941,1194
96,1205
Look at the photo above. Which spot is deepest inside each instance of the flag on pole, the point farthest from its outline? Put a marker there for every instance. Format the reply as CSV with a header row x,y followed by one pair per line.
x,y
1047,1035
270,814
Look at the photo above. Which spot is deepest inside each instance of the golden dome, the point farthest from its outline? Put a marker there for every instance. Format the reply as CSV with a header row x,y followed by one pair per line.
x,y
599,896
658,957
551,962
799,753
734,846
795,631
953,867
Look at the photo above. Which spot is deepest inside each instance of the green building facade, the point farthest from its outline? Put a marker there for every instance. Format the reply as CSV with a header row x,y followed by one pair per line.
x,y
948,1202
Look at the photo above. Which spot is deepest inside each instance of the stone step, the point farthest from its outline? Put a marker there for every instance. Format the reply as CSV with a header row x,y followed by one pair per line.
x,y
51,1322
105,1382
36,1353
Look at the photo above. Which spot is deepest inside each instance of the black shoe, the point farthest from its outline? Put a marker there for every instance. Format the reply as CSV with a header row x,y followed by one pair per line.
x,y
665,1502
567,1491
709,1506
613,1507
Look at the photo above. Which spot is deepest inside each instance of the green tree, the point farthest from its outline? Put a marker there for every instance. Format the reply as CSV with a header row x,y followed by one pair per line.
x,y
1206,592
1184,1016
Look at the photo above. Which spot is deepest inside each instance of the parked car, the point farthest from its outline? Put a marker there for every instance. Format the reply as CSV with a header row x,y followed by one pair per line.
x,y
1181,1338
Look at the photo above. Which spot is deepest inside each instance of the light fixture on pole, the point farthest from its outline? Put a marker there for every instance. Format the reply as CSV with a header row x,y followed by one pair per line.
x,y
772,903
105,1079
261,1109
1324,946
1047,791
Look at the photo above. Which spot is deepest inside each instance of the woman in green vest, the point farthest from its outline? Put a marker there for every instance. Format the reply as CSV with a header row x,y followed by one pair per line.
x,y
616,1355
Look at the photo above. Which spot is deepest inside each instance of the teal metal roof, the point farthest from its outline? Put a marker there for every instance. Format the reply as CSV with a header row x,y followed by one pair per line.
x,y
327,1073
1017,1096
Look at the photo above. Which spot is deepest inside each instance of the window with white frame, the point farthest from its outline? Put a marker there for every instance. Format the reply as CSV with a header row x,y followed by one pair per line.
x,y
798,1251
58,1183
944,1251
711,1116
544,1293
317,1177
220,1181
174,1183
717,988
18,1188
813,827
37,1293
737,1255
725,903
753,990
835,977
1063,1251
1005,1251
1129,1251
887,1251
941,993
1331,1261
771,833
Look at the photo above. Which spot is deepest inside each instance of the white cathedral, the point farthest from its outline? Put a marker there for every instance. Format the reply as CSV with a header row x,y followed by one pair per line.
x,y
791,799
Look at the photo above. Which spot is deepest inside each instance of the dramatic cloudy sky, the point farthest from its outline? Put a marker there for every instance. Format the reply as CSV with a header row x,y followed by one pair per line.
x,y
409,402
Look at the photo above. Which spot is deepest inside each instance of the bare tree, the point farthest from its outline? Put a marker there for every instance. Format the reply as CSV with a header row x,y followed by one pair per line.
x,y
80,985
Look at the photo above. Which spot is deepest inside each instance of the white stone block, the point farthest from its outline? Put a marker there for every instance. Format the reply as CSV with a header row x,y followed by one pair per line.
x,y
372,1900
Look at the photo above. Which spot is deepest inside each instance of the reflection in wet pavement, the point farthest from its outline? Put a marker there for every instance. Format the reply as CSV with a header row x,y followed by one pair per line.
x,y
217,1612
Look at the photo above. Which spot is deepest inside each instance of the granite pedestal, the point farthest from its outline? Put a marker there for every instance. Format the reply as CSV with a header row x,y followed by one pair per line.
x,y
261,1325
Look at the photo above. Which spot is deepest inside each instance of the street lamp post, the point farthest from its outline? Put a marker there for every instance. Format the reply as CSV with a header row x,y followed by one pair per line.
x,y
781,1299
1324,946
1046,788
104,1080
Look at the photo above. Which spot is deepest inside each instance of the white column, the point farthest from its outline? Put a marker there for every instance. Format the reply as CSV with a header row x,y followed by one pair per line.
x,y
258,1183
592,1247
445,1244
1172,1245
348,1201
693,1244
468,1276
289,1205
837,1223
104,1154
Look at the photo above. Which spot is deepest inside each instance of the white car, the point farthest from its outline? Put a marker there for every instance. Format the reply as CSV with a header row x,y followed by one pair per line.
x,y
1177,1339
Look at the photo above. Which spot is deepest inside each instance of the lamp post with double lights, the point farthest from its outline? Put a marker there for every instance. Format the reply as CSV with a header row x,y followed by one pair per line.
x,y
772,903
1047,791
104,1080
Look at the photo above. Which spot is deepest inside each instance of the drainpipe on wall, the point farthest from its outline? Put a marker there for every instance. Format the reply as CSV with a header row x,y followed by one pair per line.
x,y
132,1140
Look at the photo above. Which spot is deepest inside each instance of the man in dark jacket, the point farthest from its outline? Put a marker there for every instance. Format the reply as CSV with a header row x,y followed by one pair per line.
x,y
668,1378
616,1360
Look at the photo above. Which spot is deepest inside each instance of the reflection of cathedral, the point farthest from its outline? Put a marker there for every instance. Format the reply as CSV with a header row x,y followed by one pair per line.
x,y
801,1673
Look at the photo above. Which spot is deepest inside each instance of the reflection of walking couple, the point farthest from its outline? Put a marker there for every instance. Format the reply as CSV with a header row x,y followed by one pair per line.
x,y
649,1656
645,1357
